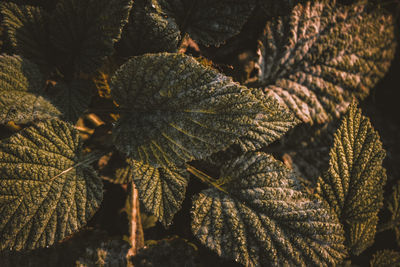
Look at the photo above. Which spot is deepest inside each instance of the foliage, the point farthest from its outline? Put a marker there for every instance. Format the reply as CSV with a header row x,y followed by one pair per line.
x,y
138,93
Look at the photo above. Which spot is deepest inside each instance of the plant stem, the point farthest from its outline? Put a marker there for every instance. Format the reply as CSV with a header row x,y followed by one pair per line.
x,y
204,177
136,237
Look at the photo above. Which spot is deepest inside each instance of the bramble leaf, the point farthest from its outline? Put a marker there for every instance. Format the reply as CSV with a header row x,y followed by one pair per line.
x,y
353,184
265,220
21,92
85,31
175,110
149,31
27,31
394,208
72,99
48,190
385,258
161,190
207,21
277,7
322,55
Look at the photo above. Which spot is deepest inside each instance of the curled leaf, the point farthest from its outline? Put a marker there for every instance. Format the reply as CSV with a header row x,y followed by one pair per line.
x,y
322,55
265,220
48,190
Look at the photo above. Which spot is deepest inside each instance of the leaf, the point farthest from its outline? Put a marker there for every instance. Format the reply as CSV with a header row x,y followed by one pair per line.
x,y
361,235
106,253
21,92
48,190
322,55
385,258
394,208
149,31
85,31
72,98
353,184
175,110
265,220
207,21
170,252
278,7
269,126
161,190
26,28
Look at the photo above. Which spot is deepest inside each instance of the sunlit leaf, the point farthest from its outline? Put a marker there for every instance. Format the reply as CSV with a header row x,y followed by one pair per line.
x,y
353,184
322,55
175,110
161,190
264,220
48,189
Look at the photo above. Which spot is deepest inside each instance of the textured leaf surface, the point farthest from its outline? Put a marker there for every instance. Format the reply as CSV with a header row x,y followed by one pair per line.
x,y
385,258
47,189
85,31
321,56
353,184
161,190
149,31
277,7
26,28
361,235
265,220
394,208
72,99
207,21
175,110
21,90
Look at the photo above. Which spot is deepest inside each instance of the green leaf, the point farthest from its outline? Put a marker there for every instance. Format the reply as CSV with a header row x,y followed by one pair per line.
x,y
353,184
207,21
385,258
161,190
48,190
72,99
265,220
26,28
21,90
149,31
322,55
85,31
175,110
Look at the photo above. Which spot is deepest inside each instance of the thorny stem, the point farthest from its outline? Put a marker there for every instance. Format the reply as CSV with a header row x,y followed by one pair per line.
x,y
204,177
136,237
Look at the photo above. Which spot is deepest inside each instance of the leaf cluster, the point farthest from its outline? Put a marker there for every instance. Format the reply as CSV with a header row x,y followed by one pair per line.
x,y
110,90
